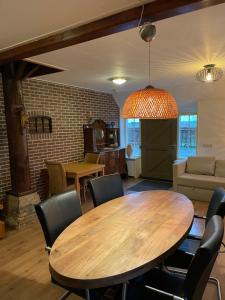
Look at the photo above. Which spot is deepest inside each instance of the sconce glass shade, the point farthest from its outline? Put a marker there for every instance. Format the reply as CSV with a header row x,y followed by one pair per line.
x,y
210,73
150,103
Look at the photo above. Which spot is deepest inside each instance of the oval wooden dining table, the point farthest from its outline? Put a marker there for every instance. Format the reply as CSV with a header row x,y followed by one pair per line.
x,y
120,239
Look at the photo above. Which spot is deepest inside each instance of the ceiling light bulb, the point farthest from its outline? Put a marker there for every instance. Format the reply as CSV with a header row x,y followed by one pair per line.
x,y
209,76
119,81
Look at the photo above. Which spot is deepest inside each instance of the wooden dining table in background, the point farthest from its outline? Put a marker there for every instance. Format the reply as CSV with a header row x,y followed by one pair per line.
x,y
78,170
121,239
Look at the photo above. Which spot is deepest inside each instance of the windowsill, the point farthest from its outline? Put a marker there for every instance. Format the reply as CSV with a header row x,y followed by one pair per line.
x,y
133,157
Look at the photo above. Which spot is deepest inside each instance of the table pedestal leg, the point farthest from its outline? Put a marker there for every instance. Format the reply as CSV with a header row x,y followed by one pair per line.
x,y
124,291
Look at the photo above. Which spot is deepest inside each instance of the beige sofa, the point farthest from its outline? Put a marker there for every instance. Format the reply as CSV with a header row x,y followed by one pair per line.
x,y
197,177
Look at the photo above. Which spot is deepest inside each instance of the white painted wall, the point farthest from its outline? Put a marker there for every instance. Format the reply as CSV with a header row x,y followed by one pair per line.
x,y
211,128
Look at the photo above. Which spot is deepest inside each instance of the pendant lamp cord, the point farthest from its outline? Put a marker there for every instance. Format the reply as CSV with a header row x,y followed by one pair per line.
x,y
142,11
139,24
149,57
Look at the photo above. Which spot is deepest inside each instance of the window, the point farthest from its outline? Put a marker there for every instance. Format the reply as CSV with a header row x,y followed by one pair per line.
x,y
187,144
133,135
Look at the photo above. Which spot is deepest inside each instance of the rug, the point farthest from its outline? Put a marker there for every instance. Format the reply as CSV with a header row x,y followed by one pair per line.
x,y
148,185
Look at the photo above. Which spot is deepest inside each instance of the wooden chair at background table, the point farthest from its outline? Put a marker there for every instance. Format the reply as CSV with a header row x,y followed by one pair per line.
x,y
58,182
55,214
105,188
92,158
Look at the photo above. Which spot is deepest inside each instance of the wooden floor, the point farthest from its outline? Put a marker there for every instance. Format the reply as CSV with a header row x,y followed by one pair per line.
x,y
24,273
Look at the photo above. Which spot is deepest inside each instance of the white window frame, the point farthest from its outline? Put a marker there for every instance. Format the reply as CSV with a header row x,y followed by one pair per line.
x,y
178,133
125,136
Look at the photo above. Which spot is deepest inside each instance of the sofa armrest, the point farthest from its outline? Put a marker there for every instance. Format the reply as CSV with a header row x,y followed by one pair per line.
x,y
178,169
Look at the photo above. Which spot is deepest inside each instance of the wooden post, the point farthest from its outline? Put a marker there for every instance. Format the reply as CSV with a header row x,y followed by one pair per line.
x,y
17,138
21,199
2,224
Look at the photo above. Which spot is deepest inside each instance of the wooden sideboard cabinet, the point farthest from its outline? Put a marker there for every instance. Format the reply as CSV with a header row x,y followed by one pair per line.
x,y
99,137
114,161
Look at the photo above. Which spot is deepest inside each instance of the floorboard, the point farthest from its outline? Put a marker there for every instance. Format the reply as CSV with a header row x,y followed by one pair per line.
x,y
24,273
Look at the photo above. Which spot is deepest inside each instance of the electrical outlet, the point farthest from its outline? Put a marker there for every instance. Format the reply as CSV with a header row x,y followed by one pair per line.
x,y
207,145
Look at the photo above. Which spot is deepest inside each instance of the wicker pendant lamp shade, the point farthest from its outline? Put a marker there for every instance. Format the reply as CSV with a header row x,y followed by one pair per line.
x,y
150,103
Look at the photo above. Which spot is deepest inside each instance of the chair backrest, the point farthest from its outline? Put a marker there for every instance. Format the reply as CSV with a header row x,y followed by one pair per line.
x,y
217,204
105,188
92,158
57,177
56,213
203,261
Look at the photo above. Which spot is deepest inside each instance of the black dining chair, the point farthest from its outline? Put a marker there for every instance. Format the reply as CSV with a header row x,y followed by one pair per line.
x,y
161,284
105,188
55,214
216,207
182,257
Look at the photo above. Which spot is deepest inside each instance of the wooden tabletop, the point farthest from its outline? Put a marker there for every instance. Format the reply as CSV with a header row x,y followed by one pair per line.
x,y
121,239
82,168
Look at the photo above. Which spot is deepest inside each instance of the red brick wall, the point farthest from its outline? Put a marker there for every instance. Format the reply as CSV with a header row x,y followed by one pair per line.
x,y
69,108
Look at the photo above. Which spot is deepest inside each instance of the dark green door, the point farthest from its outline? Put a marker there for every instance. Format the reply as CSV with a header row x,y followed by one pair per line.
x,y
158,148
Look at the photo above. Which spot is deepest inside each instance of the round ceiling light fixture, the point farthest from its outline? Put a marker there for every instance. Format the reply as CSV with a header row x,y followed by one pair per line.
x,y
118,80
209,73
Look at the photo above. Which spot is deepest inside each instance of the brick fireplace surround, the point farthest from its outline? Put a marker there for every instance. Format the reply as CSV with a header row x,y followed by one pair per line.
x,y
70,108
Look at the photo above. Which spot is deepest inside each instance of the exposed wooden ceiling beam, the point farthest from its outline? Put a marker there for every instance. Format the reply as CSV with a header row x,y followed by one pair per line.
x,y
23,69
154,11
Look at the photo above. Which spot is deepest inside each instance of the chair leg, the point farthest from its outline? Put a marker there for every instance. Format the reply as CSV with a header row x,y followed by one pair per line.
x,y
213,280
64,296
217,283
222,251
85,191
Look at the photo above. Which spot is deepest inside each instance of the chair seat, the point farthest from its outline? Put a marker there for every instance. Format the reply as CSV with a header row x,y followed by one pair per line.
x,y
160,279
182,257
190,245
179,259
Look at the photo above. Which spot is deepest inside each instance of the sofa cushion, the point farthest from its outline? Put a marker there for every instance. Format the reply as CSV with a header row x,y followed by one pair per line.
x,y
201,165
201,181
220,168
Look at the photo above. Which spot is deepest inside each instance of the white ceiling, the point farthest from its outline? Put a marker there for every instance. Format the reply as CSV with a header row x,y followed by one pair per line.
x,y
182,46
26,19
